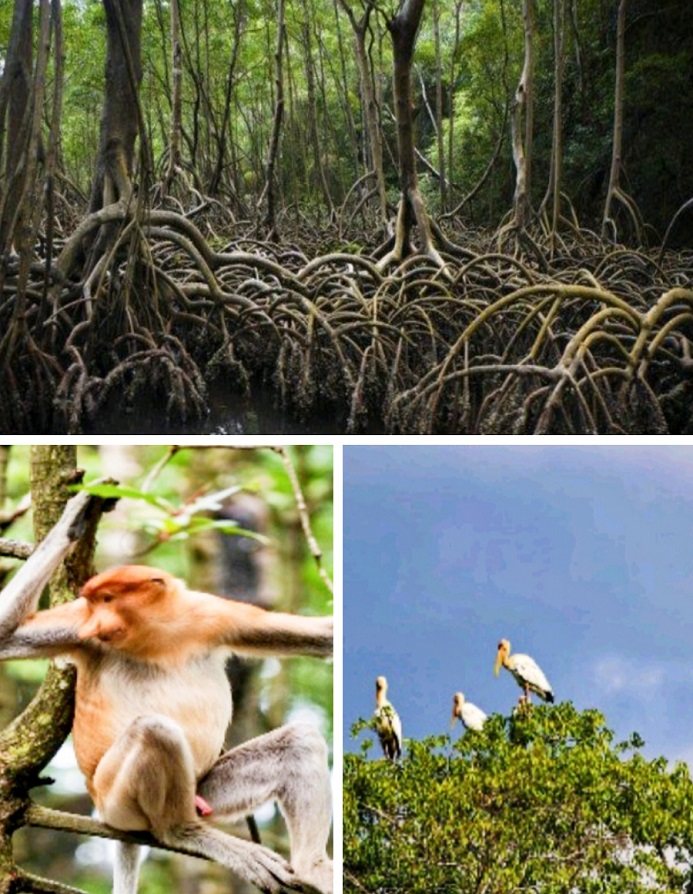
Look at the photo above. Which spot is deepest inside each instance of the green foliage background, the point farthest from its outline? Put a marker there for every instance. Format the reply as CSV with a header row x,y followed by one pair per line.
x,y
479,74
542,801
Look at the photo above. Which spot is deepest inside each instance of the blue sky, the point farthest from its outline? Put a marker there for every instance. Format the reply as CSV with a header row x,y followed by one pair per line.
x,y
581,556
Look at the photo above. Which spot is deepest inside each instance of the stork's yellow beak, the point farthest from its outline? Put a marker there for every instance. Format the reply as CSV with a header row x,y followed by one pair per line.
x,y
499,661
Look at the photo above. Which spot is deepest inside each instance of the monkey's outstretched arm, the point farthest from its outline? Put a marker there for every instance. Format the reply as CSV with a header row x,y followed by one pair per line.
x,y
251,630
20,597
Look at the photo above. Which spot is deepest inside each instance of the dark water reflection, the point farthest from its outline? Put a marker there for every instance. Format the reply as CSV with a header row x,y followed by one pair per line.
x,y
227,415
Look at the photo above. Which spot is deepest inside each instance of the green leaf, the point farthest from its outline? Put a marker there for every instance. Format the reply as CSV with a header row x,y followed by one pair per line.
x,y
117,491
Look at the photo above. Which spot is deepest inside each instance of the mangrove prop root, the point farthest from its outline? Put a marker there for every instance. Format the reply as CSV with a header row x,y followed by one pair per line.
x,y
502,336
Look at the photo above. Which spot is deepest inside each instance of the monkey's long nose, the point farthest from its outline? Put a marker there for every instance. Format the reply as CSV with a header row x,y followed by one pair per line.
x,y
95,629
88,630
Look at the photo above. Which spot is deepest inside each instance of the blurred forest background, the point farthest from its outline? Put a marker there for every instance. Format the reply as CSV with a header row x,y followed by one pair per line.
x,y
273,567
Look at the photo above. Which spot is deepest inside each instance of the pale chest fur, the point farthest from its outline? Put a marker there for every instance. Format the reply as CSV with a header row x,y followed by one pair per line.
x,y
112,692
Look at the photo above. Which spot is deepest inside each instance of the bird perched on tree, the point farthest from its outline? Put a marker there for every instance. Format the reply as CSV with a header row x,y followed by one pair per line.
x,y
529,676
386,722
471,716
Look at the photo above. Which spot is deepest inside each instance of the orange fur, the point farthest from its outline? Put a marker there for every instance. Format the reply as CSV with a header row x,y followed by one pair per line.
x,y
150,614
150,645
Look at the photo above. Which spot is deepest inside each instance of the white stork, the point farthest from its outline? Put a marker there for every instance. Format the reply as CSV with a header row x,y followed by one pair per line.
x,y
386,722
471,716
529,676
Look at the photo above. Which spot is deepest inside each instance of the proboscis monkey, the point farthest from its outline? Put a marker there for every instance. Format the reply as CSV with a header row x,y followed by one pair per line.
x,y
153,703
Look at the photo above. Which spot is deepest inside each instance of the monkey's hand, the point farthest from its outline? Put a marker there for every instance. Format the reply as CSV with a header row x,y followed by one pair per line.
x,y
314,636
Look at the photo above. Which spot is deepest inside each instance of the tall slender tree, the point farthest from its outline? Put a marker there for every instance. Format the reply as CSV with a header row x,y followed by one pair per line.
x,y
120,122
174,148
553,190
522,130
269,192
614,192
403,28
440,142
373,144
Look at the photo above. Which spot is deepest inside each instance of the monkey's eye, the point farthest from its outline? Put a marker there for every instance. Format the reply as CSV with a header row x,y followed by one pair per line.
x,y
107,597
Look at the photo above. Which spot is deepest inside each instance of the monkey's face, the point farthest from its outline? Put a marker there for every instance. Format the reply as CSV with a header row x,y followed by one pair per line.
x,y
122,603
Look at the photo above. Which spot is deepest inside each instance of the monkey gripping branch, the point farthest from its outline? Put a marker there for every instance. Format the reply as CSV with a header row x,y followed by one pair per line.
x,y
152,705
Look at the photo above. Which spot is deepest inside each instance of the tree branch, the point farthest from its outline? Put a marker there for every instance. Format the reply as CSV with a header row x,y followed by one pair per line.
x,y
15,549
313,545
48,818
33,884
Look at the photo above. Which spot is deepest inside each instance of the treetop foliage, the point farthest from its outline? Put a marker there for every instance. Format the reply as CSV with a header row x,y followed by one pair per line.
x,y
544,800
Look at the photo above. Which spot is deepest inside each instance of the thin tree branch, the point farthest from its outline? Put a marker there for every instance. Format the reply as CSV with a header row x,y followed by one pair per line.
x,y
315,550
48,818
15,549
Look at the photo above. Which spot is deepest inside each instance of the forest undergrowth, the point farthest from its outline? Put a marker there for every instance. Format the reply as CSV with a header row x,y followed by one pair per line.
x,y
542,334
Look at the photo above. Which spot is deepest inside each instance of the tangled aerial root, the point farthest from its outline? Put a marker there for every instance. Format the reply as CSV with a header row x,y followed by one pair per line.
x,y
599,345
598,340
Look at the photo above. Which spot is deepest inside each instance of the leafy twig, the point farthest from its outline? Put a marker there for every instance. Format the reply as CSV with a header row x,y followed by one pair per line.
x,y
313,545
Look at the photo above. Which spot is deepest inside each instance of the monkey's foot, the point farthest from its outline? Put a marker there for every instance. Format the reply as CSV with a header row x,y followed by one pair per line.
x,y
254,863
262,867
316,878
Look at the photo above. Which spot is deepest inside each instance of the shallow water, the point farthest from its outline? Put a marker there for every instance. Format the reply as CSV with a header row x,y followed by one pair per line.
x,y
227,416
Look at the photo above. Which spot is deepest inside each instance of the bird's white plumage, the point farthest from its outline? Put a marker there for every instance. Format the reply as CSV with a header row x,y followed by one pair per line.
x,y
389,729
470,715
528,673
387,722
